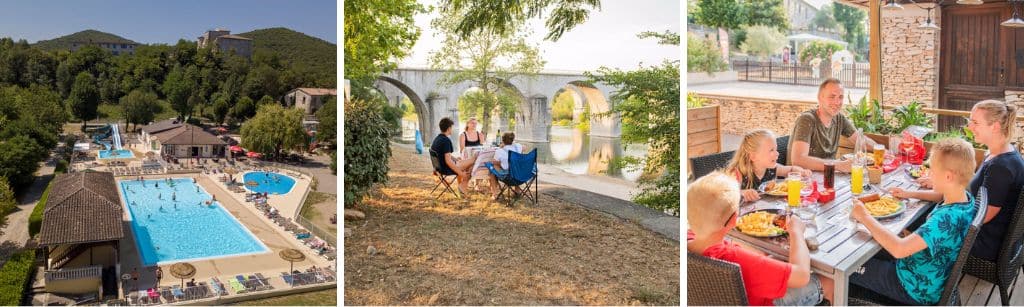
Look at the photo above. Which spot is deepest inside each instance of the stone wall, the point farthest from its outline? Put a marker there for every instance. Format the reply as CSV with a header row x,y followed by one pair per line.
x,y
910,57
742,114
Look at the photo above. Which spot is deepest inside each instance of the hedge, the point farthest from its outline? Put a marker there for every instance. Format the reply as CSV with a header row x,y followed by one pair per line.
x,y
15,276
62,167
35,220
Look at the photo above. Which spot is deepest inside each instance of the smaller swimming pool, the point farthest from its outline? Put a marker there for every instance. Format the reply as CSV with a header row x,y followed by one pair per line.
x,y
269,182
116,154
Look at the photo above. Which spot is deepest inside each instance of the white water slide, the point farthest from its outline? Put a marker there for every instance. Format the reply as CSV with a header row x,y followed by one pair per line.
x,y
116,136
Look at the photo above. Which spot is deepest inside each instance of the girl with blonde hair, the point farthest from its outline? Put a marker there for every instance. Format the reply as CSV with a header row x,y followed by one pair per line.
x,y
755,163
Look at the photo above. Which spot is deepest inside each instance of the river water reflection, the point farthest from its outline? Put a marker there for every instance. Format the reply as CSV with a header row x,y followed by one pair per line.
x,y
573,151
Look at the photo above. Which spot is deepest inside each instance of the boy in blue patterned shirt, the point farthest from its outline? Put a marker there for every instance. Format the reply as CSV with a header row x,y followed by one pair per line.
x,y
925,257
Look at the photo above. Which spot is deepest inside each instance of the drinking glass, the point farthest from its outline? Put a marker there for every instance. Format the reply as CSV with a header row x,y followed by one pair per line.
x,y
794,184
857,177
830,174
879,155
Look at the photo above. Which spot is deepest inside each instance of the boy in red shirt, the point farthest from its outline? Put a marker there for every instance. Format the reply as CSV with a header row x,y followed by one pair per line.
x,y
711,212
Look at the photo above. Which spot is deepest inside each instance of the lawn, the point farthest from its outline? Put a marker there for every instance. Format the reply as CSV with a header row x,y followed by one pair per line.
x,y
114,112
317,298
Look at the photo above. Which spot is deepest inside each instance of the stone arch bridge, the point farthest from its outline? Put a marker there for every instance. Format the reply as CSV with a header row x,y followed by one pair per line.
x,y
434,101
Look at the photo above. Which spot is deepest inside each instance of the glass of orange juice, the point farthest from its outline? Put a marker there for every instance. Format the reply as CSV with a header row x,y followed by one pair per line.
x,y
857,177
879,154
793,186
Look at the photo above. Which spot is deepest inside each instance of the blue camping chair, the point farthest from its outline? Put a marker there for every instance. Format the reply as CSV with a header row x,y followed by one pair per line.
x,y
519,179
442,176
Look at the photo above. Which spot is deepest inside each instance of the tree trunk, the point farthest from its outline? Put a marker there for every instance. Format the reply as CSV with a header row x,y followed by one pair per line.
x,y
723,43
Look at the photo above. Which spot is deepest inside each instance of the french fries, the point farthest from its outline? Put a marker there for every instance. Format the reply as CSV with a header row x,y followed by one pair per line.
x,y
883,206
760,223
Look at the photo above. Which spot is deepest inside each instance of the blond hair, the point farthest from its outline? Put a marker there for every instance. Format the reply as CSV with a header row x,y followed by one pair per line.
x,y
1000,112
741,160
957,156
710,201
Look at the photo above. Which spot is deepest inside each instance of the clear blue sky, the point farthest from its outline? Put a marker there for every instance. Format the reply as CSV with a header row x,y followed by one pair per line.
x,y
151,22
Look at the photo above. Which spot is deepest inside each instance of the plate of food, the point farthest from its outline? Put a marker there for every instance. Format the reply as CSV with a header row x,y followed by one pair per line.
x,y
774,188
859,155
918,171
764,223
882,207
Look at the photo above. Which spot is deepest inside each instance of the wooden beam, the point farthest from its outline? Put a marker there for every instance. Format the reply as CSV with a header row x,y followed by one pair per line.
x,y
875,50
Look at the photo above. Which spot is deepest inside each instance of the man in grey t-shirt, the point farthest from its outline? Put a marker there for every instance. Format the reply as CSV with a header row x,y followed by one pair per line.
x,y
815,137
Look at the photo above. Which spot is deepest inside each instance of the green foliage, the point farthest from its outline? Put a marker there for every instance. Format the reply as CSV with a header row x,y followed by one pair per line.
x,y
221,107
911,114
35,220
334,162
486,59
851,21
274,129
244,109
561,108
819,49
869,116
763,41
769,13
140,107
64,42
177,88
408,110
962,133
393,118
327,130
19,158
728,14
15,277
664,38
703,55
314,59
584,120
265,100
367,149
502,17
823,18
694,101
7,201
377,34
648,104
84,97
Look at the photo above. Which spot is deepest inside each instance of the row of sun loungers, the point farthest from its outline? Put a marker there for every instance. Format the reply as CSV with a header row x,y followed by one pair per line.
x,y
135,171
311,276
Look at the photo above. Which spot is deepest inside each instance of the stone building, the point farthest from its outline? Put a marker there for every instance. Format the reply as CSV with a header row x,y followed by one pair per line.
x,y
309,99
222,40
116,48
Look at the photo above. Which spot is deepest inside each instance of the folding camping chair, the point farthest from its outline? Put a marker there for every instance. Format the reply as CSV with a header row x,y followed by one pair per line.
x,y
442,176
519,179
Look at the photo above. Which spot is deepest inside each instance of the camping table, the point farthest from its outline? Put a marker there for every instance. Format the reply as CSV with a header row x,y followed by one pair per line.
x,y
842,249
486,154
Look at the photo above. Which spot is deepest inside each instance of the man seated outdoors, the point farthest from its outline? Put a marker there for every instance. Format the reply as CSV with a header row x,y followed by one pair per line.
x,y
712,211
442,146
815,137
501,159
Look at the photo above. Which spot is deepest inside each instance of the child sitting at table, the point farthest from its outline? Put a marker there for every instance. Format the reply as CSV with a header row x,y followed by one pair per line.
x,y
755,163
712,211
501,157
925,257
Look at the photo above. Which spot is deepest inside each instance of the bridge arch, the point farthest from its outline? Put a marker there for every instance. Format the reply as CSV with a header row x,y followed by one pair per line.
x,y
423,112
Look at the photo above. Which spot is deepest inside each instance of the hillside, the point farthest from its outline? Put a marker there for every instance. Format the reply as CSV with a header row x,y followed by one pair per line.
x,y
64,42
301,50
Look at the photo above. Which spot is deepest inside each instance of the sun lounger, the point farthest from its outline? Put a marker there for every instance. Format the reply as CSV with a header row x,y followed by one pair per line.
x,y
235,285
265,281
153,295
288,278
217,286
178,294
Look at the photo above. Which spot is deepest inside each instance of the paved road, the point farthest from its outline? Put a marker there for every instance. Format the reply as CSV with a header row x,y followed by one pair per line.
x,y
15,232
320,167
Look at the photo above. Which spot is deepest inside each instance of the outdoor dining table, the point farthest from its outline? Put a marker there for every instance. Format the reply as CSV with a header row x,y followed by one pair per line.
x,y
843,248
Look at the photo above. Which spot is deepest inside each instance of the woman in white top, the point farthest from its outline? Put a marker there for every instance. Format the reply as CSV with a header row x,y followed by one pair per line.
x,y
501,158
470,137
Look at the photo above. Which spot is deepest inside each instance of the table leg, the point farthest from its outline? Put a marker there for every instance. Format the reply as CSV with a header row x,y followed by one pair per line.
x,y
841,283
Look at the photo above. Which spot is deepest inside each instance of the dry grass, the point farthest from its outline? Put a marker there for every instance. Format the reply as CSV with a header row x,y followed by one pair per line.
x,y
479,252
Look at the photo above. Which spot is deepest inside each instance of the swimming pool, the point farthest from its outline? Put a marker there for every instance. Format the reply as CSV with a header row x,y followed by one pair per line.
x,y
172,223
270,182
116,154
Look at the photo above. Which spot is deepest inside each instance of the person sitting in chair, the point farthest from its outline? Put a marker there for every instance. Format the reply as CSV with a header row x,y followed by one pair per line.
x,y
443,147
501,158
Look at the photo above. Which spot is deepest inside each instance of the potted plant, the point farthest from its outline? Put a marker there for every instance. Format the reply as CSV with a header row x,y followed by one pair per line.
x,y
703,126
963,133
870,118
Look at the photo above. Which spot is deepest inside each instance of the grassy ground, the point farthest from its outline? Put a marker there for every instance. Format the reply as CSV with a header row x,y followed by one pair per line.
x,y
319,207
479,252
112,112
317,298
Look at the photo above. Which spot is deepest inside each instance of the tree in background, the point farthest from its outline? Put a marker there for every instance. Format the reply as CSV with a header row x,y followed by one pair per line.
x,y
19,158
7,201
561,108
84,98
243,110
648,104
273,130
819,49
377,34
703,55
823,18
769,13
763,41
327,130
221,107
851,22
266,99
722,14
140,107
502,16
177,88
487,59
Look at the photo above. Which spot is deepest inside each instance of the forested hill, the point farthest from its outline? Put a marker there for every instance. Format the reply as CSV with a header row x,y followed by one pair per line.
x,y
64,42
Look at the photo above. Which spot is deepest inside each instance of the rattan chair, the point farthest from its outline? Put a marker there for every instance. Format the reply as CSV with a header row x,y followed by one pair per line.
x,y
713,282
783,148
950,294
1002,272
704,165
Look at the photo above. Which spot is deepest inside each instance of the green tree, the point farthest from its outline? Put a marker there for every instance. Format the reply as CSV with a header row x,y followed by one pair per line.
x,y
244,109
7,201
561,108
502,17
221,107
266,99
819,49
722,14
18,159
487,60
84,99
851,22
273,130
177,88
648,104
763,41
766,13
378,33
327,130
823,18
703,55
140,107
196,101
366,143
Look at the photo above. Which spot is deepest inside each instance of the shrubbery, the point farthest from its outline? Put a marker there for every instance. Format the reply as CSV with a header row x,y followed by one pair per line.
x,y
35,220
819,49
14,277
367,148
703,55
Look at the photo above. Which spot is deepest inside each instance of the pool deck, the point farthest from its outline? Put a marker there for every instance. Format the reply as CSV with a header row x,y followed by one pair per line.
x,y
289,204
273,236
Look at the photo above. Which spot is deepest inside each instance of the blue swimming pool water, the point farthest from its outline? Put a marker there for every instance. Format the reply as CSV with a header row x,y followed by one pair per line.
x,y
172,223
270,182
116,154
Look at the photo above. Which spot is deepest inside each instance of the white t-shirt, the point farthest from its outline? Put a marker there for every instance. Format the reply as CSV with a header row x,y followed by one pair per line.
x,y
501,154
